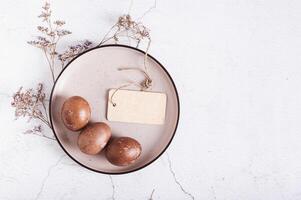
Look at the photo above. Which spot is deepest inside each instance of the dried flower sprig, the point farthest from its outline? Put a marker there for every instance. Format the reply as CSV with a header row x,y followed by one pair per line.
x,y
37,130
30,104
73,51
127,27
52,32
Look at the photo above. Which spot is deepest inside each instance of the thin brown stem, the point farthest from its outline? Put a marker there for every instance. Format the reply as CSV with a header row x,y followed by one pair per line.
x,y
127,36
46,113
53,46
49,63
104,39
45,136
49,24
135,69
44,121
52,64
137,45
145,55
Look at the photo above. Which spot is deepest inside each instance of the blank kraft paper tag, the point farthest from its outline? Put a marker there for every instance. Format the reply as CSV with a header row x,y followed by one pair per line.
x,y
137,107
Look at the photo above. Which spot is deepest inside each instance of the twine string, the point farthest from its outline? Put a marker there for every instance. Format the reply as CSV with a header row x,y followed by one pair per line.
x,y
144,85
119,88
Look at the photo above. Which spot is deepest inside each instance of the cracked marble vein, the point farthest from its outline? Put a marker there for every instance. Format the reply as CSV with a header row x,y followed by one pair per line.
x,y
7,178
176,180
213,192
113,187
47,176
152,194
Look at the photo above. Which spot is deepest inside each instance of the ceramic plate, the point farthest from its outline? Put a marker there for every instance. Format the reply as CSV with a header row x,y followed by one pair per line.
x,y
91,75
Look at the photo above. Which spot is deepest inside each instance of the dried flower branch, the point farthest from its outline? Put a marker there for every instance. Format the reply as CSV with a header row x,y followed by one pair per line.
x,y
30,104
73,51
126,27
37,130
51,35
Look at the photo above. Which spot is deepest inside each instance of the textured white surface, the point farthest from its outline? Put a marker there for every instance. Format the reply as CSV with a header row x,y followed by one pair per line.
x,y
236,64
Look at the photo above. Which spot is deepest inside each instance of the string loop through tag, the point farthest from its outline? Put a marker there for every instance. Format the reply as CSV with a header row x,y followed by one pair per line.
x,y
123,86
145,84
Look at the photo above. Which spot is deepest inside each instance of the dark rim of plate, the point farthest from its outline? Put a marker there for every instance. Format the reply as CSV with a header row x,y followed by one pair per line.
x,y
139,168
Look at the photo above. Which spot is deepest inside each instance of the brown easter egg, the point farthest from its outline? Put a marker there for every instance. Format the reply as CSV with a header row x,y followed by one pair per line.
x,y
94,138
75,113
123,151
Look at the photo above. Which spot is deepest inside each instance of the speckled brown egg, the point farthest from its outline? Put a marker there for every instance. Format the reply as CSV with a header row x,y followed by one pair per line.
x,y
75,113
94,138
123,151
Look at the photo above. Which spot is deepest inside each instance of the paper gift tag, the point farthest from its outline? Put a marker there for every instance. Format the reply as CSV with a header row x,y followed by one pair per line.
x,y
136,107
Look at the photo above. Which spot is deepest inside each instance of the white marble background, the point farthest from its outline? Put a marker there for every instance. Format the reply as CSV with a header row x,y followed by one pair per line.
x,y
236,64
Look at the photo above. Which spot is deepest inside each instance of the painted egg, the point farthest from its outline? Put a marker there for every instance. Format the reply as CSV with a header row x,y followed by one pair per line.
x,y
75,113
94,138
123,151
